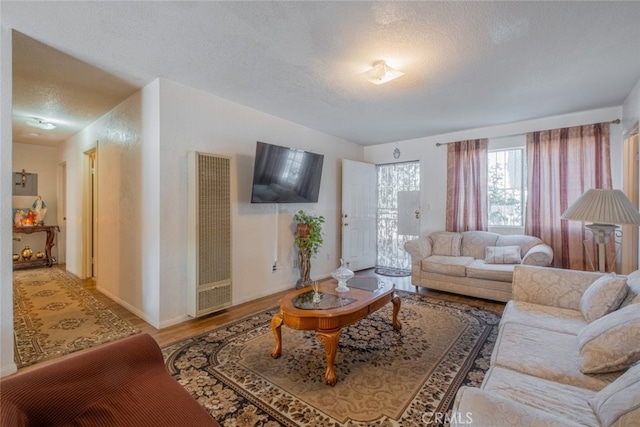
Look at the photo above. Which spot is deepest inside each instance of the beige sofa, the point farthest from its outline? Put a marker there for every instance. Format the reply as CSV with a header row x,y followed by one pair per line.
x,y
566,354
474,263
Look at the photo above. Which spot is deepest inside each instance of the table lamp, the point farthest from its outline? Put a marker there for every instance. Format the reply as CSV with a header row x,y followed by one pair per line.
x,y
606,209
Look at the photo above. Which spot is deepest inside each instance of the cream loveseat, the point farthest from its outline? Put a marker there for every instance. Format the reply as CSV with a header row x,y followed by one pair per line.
x,y
474,263
565,355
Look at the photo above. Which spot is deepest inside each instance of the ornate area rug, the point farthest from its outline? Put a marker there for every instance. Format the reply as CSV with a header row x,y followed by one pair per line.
x,y
385,378
54,315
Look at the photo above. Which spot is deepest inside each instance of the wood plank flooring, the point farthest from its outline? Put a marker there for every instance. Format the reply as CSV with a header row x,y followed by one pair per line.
x,y
196,326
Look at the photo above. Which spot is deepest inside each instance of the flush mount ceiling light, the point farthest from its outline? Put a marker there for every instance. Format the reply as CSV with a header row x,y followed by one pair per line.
x,y
40,123
381,73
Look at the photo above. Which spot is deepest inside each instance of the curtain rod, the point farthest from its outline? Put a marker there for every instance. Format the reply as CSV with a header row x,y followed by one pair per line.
x,y
438,144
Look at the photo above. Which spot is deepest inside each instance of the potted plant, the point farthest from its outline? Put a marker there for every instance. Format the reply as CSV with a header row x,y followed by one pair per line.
x,y
308,240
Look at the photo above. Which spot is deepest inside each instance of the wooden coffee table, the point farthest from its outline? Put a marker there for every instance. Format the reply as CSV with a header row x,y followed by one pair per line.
x,y
351,307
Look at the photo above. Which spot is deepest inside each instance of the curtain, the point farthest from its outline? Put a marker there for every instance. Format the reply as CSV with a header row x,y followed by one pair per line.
x,y
467,185
562,164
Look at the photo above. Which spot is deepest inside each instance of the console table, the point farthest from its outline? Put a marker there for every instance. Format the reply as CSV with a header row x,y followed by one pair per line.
x,y
47,261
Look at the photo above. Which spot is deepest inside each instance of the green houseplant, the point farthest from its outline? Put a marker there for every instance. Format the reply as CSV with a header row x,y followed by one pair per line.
x,y
308,239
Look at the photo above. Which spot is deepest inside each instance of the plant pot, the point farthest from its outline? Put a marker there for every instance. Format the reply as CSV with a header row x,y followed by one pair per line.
x,y
304,265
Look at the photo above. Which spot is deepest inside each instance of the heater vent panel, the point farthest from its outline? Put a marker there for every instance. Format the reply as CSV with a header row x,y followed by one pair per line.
x,y
209,251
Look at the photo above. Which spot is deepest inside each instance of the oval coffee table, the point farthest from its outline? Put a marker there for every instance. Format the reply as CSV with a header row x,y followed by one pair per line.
x,y
330,314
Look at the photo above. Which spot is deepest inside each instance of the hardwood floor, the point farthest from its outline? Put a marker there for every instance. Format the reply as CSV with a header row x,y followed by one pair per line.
x,y
196,326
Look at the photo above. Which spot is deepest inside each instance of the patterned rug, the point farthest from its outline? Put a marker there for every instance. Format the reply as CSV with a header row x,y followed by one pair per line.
x,y
385,378
54,315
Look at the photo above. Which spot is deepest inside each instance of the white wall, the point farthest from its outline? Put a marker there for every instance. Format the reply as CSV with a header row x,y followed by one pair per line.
x,y
195,121
142,194
42,161
7,365
433,160
119,137
72,152
631,110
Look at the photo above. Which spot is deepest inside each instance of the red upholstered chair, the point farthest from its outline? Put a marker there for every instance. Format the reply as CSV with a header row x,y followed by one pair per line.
x,y
123,383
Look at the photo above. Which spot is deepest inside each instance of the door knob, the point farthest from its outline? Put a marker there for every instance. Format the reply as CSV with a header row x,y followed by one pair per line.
x,y
417,213
346,224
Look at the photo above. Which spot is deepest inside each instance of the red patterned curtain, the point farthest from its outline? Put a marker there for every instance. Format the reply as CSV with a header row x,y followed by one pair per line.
x,y
467,185
561,165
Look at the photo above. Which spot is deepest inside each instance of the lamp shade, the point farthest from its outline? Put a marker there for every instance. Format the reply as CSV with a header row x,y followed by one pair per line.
x,y
603,207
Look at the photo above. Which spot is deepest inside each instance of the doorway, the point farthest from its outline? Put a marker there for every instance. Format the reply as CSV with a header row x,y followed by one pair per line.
x,y
62,213
90,214
398,212
630,168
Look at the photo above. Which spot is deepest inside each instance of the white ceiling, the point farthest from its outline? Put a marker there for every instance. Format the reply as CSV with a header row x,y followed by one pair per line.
x,y
466,64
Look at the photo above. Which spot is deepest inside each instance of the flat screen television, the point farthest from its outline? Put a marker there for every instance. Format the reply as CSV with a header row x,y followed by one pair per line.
x,y
285,175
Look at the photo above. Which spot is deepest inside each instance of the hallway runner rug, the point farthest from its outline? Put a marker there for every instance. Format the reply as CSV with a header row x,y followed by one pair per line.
x,y
54,315
385,378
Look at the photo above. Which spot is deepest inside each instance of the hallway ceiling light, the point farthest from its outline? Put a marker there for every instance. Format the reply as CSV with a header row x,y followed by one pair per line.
x,y
40,123
381,73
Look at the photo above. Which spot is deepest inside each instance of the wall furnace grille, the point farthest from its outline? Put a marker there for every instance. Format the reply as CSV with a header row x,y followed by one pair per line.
x,y
209,248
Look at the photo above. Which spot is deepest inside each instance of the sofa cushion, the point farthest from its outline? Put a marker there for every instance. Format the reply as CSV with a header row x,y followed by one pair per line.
x,y
633,293
449,265
566,402
474,242
525,242
446,243
612,342
481,270
620,400
502,255
603,296
557,319
122,383
546,354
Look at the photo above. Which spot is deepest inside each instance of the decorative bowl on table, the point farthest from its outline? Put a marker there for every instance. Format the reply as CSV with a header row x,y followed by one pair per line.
x,y
342,274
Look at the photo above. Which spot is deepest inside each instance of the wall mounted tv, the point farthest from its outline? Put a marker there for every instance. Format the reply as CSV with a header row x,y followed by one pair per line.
x,y
285,175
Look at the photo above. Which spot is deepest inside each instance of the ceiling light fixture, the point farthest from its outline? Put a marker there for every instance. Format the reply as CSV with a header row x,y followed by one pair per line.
x,y
381,73
40,123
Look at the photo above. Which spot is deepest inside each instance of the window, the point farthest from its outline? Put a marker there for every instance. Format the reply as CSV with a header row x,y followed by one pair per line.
x,y
506,187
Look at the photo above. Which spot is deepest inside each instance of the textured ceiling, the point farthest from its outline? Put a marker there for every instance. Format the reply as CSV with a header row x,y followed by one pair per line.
x,y
466,64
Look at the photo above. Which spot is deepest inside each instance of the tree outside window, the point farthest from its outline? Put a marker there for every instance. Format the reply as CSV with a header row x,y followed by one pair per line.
x,y
506,192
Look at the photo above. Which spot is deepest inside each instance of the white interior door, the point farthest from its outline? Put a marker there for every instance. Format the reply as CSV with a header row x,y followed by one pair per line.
x,y
359,206
409,213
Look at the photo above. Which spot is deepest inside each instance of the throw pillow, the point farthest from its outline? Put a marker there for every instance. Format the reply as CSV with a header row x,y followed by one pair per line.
x,y
447,244
620,400
612,342
502,255
603,296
